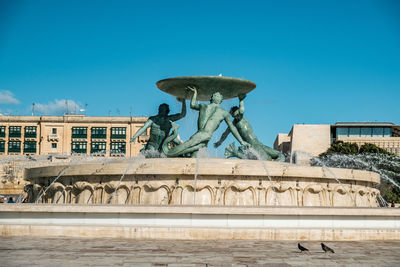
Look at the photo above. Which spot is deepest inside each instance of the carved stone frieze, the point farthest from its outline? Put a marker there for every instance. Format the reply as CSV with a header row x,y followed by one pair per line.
x,y
172,183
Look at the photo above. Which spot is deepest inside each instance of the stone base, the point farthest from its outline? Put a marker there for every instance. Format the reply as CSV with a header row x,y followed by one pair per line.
x,y
220,182
159,233
194,222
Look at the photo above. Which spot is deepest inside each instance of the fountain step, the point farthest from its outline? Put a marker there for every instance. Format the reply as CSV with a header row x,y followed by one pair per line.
x,y
196,222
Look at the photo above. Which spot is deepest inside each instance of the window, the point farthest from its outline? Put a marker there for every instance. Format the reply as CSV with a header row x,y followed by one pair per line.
x,y
354,132
15,131
53,145
387,132
118,148
98,147
54,131
30,132
2,131
14,146
377,132
79,132
30,147
342,132
99,132
118,133
366,132
79,147
2,146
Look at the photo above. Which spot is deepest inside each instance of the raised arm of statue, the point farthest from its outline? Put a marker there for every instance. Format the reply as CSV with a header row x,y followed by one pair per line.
x,y
193,104
235,132
179,116
241,103
223,137
142,129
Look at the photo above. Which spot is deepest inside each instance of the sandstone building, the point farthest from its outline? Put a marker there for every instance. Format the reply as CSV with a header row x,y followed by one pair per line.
x,y
61,136
70,134
305,140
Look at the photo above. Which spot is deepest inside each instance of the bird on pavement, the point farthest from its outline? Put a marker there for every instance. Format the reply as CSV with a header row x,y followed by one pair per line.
x,y
301,247
325,248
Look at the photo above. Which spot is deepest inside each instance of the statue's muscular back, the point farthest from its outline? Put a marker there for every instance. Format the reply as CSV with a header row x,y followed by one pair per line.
x,y
245,130
159,129
210,117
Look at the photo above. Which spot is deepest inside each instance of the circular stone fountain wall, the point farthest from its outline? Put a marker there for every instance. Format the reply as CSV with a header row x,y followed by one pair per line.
x,y
219,182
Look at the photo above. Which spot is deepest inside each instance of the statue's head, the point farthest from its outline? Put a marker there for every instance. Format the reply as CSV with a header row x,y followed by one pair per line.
x,y
235,112
163,109
216,98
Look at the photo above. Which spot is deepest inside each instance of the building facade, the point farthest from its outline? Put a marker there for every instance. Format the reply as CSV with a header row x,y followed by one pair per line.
x,y
305,141
61,135
70,134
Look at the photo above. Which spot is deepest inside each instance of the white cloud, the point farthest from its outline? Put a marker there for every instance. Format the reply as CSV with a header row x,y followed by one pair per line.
x,y
6,97
58,107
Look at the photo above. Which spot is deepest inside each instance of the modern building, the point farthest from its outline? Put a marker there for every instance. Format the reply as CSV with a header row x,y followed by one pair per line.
x,y
70,134
305,141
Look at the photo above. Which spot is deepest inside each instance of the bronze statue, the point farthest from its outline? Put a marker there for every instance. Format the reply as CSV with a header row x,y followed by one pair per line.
x,y
256,150
210,117
160,126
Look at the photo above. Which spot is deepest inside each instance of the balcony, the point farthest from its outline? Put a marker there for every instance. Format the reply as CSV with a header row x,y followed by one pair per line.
x,y
14,150
97,151
78,151
53,137
80,136
118,136
14,135
143,138
118,149
30,135
30,150
99,136
117,152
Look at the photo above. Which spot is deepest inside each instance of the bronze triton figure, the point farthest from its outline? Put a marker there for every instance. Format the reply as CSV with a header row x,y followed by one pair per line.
x,y
210,117
160,126
256,150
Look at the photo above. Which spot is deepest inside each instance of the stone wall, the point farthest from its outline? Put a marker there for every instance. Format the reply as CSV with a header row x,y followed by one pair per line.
x,y
200,222
233,183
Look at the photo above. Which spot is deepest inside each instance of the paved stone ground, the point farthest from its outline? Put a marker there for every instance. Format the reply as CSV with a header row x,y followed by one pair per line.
x,y
58,252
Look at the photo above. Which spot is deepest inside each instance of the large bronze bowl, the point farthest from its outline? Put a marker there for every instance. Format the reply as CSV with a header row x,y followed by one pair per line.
x,y
206,86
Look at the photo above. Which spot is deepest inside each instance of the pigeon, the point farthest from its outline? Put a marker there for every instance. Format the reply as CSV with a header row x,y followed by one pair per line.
x,y
301,247
325,248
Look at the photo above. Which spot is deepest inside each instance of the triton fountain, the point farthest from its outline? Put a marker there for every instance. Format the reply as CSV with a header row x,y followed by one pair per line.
x,y
178,195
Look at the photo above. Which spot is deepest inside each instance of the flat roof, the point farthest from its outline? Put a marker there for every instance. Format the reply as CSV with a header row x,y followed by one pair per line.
x,y
71,119
367,124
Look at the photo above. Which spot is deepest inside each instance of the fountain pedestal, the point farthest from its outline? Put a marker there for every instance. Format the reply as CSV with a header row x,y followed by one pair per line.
x,y
222,182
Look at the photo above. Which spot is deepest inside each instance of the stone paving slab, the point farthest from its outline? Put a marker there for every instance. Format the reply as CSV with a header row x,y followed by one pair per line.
x,y
59,252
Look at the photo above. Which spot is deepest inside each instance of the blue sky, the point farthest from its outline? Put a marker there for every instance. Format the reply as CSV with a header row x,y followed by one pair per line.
x,y
313,61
